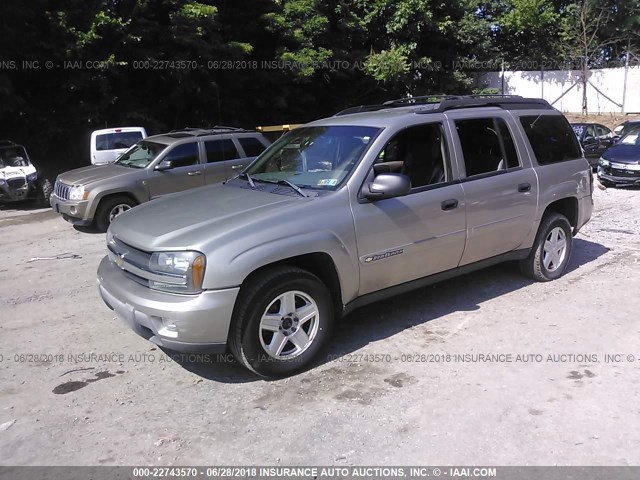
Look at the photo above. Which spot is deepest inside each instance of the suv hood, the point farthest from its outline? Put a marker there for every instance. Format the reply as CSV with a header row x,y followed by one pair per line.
x,y
189,219
94,173
623,154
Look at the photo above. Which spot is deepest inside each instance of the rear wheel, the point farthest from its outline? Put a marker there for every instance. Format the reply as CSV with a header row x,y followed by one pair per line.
x,y
551,250
282,318
110,208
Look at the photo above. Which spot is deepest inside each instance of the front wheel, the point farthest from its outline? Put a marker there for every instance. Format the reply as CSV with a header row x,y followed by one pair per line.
x,y
551,250
110,208
282,318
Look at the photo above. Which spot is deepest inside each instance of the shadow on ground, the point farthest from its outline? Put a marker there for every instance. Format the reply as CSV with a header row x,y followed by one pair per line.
x,y
385,319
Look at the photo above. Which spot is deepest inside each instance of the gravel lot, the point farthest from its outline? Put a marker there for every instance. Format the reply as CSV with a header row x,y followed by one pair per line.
x,y
129,403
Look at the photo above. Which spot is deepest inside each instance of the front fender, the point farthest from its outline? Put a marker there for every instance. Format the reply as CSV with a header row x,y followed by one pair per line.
x,y
241,265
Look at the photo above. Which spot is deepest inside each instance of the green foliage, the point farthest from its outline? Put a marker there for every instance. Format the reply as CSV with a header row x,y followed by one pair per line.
x,y
387,65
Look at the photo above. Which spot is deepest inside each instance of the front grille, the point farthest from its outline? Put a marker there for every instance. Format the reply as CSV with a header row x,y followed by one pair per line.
x,y
625,173
61,190
16,182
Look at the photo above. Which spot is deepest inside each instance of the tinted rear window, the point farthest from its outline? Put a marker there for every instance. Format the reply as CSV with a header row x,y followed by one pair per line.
x,y
252,146
115,141
551,137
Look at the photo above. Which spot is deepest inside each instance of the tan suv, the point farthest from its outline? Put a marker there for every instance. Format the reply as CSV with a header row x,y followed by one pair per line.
x,y
154,167
345,211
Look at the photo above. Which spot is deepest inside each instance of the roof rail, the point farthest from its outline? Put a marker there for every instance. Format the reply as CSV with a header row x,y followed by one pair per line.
x,y
199,132
440,103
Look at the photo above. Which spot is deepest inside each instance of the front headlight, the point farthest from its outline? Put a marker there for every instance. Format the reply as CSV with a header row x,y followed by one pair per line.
x,y
77,192
2,182
31,177
604,163
177,272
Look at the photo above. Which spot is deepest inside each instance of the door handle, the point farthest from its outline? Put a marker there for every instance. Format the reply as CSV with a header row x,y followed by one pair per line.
x,y
193,174
237,167
449,204
524,187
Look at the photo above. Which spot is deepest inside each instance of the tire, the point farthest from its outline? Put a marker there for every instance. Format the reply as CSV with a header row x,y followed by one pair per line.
x,y
111,207
265,318
44,192
542,264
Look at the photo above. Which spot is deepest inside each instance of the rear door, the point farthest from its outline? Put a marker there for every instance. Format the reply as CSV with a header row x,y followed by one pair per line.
x,y
501,191
187,171
222,159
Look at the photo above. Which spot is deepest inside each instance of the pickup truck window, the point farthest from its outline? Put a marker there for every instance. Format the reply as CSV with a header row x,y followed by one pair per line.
x,y
220,150
551,138
487,145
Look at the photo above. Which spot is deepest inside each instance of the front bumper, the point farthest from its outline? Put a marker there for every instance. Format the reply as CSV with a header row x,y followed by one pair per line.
x,y
619,176
26,191
72,212
184,323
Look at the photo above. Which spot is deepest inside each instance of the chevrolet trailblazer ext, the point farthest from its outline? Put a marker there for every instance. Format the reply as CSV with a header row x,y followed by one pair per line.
x,y
344,211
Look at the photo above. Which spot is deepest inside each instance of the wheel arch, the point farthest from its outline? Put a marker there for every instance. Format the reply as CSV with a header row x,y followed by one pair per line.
x,y
320,264
567,206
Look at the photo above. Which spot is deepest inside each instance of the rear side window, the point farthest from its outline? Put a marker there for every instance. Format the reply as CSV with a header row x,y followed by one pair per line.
x,y
220,150
183,155
487,145
551,138
252,146
114,141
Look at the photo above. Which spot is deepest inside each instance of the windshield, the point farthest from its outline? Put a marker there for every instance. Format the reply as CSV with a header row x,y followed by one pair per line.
x,y
631,138
13,157
141,154
314,157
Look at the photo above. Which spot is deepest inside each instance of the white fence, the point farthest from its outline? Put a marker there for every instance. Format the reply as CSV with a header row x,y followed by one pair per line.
x,y
609,90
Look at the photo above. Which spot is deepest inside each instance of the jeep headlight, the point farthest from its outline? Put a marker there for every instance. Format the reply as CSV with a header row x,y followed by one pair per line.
x,y
603,162
31,177
77,192
177,272
2,182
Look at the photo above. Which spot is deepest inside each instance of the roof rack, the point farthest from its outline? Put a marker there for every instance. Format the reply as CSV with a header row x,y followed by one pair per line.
x,y
200,132
440,103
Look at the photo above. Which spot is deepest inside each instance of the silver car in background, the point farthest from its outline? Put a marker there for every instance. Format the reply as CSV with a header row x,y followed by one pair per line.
x,y
151,168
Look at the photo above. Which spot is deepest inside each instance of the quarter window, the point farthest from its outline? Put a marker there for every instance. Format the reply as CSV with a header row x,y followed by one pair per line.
x,y
551,138
220,150
487,145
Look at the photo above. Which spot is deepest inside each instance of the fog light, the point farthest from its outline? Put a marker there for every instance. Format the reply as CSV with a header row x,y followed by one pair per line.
x,y
73,210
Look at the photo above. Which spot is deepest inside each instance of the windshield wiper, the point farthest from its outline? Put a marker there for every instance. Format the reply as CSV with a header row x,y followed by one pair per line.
x,y
249,179
293,186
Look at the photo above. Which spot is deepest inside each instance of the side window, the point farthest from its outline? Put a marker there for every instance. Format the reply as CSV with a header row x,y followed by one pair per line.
x,y
183,155
603,132
487,145
551,138
220,150
252,146
590,133
418,152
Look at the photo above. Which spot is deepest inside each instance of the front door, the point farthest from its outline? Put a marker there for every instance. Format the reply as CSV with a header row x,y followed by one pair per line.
x,y
186,172
406,238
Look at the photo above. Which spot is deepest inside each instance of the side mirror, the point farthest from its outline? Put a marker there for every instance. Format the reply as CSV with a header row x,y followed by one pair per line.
x,y
164,165
387,185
